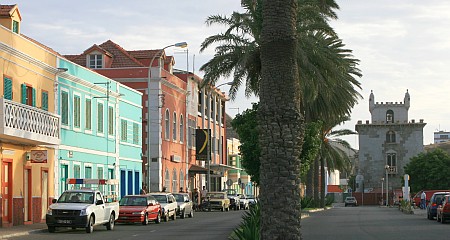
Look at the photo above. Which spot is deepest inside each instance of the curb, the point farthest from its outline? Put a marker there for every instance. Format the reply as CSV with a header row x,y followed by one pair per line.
x,y
25,233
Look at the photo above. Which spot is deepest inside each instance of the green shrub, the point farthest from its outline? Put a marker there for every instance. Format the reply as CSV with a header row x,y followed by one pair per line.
x,y
249,227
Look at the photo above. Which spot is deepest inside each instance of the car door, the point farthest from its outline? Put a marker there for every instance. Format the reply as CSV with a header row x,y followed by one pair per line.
x,y
152,207
99,209
188,202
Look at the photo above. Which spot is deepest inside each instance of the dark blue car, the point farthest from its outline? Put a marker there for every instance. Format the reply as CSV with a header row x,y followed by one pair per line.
x,y
435,200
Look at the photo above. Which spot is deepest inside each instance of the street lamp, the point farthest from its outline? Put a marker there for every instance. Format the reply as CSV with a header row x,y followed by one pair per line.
x,y
387,185
382,190
181,45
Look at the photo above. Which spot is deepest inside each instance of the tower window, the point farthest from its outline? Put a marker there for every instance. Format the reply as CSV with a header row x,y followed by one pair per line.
x,y
390,137
390,116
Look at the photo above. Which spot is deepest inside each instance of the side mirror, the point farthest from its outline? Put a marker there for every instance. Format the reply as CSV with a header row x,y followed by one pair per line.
x,y
99,202
187,200
54,200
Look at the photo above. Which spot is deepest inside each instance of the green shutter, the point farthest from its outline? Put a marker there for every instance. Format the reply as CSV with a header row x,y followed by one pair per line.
x,y
33,97
24,94
64,108
7,91
45,101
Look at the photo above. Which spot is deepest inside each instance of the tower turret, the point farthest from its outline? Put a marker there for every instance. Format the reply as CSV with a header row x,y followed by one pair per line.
x,y
371,101
407,99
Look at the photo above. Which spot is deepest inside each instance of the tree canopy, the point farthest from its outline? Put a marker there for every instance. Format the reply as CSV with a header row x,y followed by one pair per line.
x,y
429,170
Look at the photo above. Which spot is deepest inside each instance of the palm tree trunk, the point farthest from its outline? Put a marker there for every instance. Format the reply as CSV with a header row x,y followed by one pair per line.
x,y
280,123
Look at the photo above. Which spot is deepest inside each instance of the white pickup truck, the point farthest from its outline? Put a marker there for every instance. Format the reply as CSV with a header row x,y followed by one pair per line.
x,y
81,208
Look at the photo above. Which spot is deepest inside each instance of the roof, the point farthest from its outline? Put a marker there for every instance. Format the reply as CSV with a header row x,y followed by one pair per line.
x,y
334,189
8,10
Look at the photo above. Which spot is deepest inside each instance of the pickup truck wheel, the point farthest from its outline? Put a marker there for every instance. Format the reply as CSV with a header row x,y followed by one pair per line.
x,y
174,216
110,224
158,218
166,217
145,222
51,229
90,225
183,214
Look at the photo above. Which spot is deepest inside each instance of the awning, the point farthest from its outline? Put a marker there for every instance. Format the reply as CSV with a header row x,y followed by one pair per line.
x,y
222,167
195,169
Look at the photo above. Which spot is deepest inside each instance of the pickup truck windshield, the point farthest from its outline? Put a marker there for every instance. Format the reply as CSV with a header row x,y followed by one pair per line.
x,y
76,197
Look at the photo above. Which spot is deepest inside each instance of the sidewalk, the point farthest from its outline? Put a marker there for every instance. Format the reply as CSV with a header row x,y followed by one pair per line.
x,y
7,232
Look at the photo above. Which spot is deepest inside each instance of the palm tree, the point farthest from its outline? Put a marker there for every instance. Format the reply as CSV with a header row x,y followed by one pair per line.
x,y
280,122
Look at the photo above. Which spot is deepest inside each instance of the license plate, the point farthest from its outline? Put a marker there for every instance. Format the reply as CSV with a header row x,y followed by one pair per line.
x,y
64,221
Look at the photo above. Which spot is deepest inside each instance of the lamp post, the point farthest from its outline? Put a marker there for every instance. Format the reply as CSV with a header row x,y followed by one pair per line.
x,y
387,185
382,190
181,45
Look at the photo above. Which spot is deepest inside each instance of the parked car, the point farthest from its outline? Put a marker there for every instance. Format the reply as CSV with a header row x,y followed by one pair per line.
x,y
435,200
443,209
350,201
139,208
217,200
185,205
168,205
428,193
244,204
235,201
252,200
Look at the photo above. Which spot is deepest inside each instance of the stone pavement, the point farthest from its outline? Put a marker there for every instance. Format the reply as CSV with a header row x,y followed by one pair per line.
x,y
8,232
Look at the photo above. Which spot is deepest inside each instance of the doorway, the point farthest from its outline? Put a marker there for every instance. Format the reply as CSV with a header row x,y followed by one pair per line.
x,y
27,194
7,192
44,193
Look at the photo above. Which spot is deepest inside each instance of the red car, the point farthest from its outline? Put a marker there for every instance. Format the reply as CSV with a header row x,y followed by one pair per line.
x,y
139,208
443,209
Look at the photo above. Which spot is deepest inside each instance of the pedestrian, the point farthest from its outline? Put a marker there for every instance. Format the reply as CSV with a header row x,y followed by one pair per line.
x,y
164,189
143,190
181,189
423,200
203,193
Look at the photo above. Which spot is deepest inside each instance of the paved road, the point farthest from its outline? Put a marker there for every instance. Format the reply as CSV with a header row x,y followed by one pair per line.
x,y
371,222
214,225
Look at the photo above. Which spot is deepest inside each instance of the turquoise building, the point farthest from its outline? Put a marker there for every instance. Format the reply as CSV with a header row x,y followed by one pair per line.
x,y
101,130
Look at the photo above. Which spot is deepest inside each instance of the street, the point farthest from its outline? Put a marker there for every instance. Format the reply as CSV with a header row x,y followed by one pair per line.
x,y
205,225
371,222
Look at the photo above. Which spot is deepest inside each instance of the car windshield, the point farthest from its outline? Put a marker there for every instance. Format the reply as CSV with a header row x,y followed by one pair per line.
x,y
133,201
160,198
216,196
179,197
76,197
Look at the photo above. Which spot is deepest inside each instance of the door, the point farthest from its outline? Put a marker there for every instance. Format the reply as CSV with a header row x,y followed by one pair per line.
x,y
27,194
64,173
122,183
44,193
130,182
6,192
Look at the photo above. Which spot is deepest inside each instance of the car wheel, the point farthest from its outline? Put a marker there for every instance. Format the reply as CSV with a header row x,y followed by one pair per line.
x,y
182,214
51,229
166,217
90,225
110,224
174,216
145,222
158,218
191,214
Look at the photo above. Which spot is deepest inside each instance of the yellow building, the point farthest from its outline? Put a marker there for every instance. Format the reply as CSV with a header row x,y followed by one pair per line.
x,y
29,125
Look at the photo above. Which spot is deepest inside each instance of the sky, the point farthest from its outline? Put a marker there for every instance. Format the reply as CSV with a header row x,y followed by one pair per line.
x,y
402,45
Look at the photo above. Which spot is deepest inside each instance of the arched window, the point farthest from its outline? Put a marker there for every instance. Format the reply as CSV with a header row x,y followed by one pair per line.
x,y
174,133
181,128
167,125
167,180
390,137
389,116
174,181
182,180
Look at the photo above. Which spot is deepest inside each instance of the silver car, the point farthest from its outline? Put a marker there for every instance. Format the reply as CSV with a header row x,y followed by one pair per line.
x,y
185,205
350,201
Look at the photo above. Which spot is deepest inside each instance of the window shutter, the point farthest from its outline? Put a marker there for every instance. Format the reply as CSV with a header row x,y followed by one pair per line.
x,y
33,97
24,94
7,91
45,101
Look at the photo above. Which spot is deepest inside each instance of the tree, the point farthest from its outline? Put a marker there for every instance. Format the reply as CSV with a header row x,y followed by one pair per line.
x,y
429,170
280,122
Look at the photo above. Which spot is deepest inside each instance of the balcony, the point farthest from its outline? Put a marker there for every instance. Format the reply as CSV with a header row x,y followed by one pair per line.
x,y
20,123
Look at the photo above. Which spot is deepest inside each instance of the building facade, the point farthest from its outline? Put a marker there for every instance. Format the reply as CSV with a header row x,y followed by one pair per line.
x,y
387,143
29,123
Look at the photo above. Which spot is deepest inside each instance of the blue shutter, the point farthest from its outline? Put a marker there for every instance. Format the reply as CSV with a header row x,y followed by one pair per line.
x,y
7,91
45,101
24,94
33,97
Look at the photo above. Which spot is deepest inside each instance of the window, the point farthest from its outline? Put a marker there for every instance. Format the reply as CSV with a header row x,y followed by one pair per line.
x,y
15,26
76,111
100,117
174,131
167,180
7,88
391,161
100,176
110,120
76,174
182,179
44,100
200,95
390,137
174,181
124,132
390,116
217,110
95,61
88,114
167,125
28,95
181,128
190,130
211,106
64,108
88,174
135,133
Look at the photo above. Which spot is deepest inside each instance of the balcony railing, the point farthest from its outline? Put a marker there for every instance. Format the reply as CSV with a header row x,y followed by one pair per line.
x,y
29,125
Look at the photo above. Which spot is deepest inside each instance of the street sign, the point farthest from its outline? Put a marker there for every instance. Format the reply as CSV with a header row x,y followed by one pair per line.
x,y
229,182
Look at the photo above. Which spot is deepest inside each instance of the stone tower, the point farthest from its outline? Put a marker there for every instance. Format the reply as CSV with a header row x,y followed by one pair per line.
x,y
390,139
